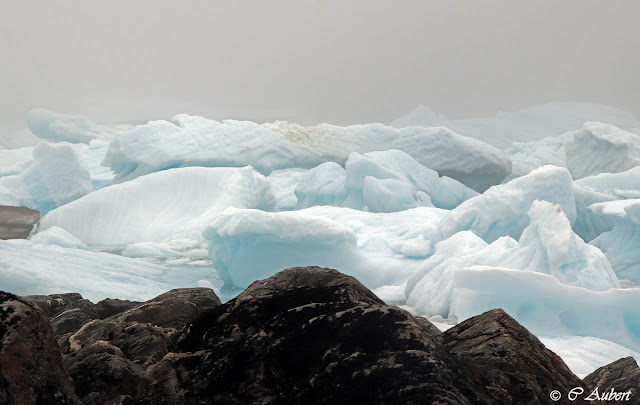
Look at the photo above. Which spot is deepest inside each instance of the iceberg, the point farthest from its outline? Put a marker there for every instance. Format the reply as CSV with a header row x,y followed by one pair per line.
x,y
589,224
173,204
196,141
34,268
284,183
379,249
601,148
548,245
526,125
501,210
620,245
56,176
620,185
59,237
584,354
526,157
442,192
385,181
55,127
546,306
322,185
15,161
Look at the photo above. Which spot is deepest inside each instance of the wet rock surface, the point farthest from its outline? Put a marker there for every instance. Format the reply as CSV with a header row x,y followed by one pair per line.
x,y
304,335
17,222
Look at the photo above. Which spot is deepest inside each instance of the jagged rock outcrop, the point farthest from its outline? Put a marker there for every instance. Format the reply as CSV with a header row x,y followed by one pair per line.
x,y
304,335
622,376
310,335
31,370
17,222
108,357
511,362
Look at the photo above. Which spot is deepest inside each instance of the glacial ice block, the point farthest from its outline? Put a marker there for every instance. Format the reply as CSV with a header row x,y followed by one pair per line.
x,y
526,125
548,245
33,268
173,204
502,210
378,248
601,148
56,176
621,245
55,127
547,307
196,141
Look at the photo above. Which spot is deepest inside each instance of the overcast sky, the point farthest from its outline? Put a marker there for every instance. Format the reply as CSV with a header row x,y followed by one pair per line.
x,y
313,61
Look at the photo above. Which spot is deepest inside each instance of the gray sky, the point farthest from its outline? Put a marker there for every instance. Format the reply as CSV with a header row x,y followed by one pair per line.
x,y
313,61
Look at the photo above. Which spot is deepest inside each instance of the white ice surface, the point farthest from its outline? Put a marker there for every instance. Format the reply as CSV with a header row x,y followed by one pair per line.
x,y
56,127
56,176
527,125
197,141
601,148
173,204
379,249
284,183
584,354
548,245
502,210
30,268
621,245
59,237
547,307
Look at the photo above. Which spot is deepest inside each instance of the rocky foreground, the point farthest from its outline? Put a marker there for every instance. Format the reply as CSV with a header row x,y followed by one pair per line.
x,y
303,336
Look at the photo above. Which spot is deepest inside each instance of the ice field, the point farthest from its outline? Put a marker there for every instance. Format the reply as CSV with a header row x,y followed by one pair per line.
x,y
536,212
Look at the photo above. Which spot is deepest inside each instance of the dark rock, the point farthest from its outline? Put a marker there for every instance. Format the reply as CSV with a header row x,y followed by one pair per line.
x,y
144,344
68,312
622,375
30,366
109,307
173,309
55,304
310,335
305,335
17,222
108,358
511,362
103,375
